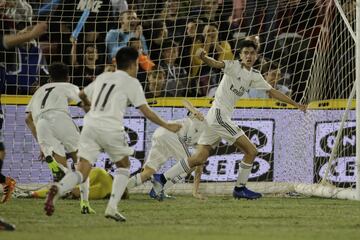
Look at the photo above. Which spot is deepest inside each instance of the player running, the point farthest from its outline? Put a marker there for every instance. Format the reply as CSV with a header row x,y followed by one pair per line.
x,y
103,129
239,77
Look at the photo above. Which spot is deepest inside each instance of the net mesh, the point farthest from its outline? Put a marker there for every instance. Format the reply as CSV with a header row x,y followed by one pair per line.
x,y
307,41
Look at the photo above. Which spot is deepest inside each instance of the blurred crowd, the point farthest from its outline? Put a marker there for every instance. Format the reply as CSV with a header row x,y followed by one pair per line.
x,y
167,33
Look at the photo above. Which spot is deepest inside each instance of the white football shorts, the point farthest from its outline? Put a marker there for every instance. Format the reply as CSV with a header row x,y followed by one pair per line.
x,y
219,127
57,133
165,145
93,140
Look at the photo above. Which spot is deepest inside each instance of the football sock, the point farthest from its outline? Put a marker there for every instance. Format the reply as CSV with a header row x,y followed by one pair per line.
x,y
84,190
70,180
40,193
134,181
175,180
244,172
180,168
120,182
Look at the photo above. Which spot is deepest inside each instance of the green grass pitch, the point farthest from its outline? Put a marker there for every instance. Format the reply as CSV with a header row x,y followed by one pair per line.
x,y
187,218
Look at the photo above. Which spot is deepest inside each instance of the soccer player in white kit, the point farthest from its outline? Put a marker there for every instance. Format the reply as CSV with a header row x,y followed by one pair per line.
x,y
166,144
238,77
103,128
52,126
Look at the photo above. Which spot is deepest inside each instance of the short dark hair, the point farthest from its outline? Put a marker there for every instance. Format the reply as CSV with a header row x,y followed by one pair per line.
x,y
247,43
133,39
125,57
59,72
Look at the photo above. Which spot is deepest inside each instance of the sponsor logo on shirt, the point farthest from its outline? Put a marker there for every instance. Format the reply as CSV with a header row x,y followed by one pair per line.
x,y
239,92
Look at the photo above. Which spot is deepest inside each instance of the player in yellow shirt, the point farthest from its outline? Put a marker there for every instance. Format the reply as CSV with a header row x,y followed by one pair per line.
x,y
100,187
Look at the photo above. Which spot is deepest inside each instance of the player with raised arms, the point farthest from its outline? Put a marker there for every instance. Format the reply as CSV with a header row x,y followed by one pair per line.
x,y
239,77
103,129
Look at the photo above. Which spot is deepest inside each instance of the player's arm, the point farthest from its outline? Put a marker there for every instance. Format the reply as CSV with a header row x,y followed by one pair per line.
x,y
196,193
152,116
12,40
188,105
85,102
282,97
30,123
201,53
73,51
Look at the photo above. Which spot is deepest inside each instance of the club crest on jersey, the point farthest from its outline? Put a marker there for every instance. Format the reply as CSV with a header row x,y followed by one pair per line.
x,y
239,92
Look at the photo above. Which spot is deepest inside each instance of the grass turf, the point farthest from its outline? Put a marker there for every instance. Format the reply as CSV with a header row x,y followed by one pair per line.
x,y
187,218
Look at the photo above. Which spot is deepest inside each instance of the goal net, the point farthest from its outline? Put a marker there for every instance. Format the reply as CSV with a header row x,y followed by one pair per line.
x,y
306,50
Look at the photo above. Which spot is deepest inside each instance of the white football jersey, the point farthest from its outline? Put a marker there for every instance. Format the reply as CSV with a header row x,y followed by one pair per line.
x,y
110,94
236,82
53,96
191,130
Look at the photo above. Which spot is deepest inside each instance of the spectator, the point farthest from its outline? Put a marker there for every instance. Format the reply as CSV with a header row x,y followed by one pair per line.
x,y
155,86
191,37
176,77
272,75
175,22
219,50
155,33
85,72
211,11
257,16
119,6
118,38
145,63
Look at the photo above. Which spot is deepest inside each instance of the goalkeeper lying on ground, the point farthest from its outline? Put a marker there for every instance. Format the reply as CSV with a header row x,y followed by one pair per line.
x,y
100,187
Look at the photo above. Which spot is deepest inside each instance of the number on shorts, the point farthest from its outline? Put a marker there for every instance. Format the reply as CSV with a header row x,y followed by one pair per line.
x,y
48,91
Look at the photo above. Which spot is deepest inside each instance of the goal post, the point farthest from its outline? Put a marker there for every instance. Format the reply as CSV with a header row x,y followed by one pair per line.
x,y
357,57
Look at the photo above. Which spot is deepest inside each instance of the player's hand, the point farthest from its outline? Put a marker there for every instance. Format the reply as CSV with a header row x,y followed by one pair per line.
x,y
138,31
73,40
200,53
197,114
173,127
198,195
302,107
39,29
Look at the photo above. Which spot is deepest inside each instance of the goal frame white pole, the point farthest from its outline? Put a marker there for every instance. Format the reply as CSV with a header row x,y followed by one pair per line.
x,y
357,70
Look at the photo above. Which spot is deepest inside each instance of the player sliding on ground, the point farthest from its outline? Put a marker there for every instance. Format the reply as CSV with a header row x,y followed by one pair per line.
x,y
52,126
166,144
238,77
103,129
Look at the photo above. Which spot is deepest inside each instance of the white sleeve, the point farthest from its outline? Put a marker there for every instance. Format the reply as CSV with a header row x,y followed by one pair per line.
x,y
30,105
73,93
89,90
260,83
136,94
231,67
